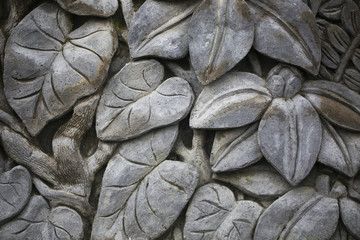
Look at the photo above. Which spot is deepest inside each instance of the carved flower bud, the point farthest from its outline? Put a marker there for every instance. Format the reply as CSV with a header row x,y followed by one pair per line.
x,y
284,81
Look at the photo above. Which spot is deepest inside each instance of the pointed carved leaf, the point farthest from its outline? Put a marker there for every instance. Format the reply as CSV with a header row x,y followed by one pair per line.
x,y
290,137
221,34
352,79
300,214
338,38
38,221
236,100
350,215
135,101
160,29
147,213
335,102
260,181
214,214
350,17
340,149
286,29
102,8
15,189
48,67
236,148
332,9
330,58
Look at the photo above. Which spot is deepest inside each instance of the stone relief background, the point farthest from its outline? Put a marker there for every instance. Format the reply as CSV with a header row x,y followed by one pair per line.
x,y
160,119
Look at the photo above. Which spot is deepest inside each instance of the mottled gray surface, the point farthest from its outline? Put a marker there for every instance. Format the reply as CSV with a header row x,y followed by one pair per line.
x,y
102,8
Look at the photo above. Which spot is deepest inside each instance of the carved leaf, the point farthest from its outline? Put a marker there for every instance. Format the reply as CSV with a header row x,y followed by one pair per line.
x,y
335,102
221,34
236,100
214,214
352,79
135,101
15,189
338,38
287,31
235,148
159,28
38,221
340,149
350,215
332,9
350,17
260,181
103,8
290,137
300,214
341,233
48,67
356,58
330,58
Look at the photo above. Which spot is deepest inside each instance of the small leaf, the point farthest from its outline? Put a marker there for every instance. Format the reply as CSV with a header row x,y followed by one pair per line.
x,y
15,189
350,17
48,67
38,221
287,31
338,38
221,34
325,73
335,102
290,137
214,214
352,79
332,9
234,149
300,214
160,28
330,58
102,8
236,100
356,58
350,215
135,101
261,181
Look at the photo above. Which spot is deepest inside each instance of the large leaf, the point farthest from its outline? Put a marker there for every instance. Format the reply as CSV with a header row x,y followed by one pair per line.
x,y
300,214
261,181
236,100
135,101
214,214
103,8
340,149
350,215
235,148
287,31
221,34
335,102
159,28
15,189
290,137
48,67
38,221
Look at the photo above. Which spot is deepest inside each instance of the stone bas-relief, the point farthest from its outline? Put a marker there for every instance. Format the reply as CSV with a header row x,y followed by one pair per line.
x,y
154,119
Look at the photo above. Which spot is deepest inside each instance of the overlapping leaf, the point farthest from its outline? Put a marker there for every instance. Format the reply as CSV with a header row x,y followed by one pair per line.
x,y
214,214
236,100
287,31
290,137
160,29
221,34
350,215
135,101
38,221
48,67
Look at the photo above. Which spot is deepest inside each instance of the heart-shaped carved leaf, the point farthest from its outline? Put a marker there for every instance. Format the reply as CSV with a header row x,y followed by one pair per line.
x,y
340,149
103,8
236,148
160,28
290,137
214,214
350,215
48,67
38,221
261,181
237,99
135,101
332,9
338,38
15,189
335,102
300,214
221,34
287,31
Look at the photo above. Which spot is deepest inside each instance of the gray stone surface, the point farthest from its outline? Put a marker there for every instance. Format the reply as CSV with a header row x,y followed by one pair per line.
x,y
102,8
350,215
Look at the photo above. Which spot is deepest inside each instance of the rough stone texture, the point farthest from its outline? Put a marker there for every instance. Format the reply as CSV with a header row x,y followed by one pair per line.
x,y
102,8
